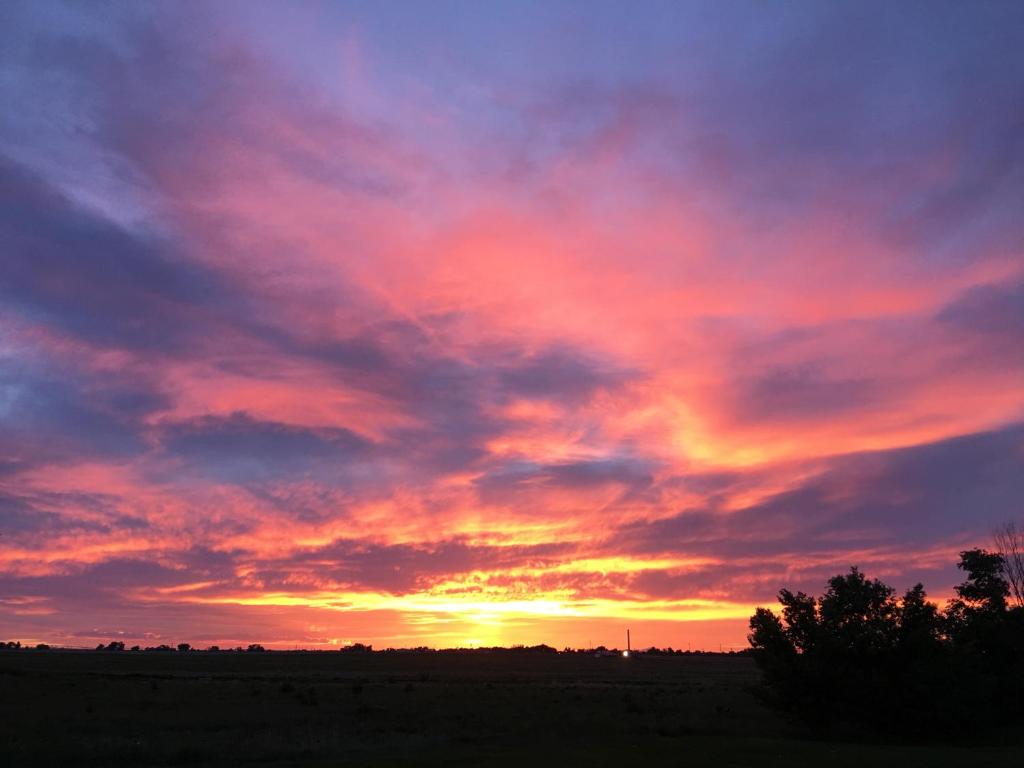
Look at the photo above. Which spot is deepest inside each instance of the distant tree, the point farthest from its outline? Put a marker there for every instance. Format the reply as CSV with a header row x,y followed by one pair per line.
x,y
42,647
542,648
213,649
255,648
184,647
356,648
1009,541
135,647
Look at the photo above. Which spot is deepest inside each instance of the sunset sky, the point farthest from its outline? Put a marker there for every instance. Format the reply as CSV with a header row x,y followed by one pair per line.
x,y
480,323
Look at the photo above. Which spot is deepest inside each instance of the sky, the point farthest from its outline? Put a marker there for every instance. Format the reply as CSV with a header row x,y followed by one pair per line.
x,y
460,323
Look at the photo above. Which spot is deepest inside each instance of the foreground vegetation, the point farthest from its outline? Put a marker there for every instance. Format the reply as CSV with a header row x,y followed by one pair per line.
x,y
859,659
92,708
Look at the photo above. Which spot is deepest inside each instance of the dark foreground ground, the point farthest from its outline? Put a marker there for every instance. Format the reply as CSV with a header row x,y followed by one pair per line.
x,y
333,709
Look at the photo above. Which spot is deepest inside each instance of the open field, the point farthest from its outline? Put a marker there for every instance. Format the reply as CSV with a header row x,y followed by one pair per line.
x,y
330,709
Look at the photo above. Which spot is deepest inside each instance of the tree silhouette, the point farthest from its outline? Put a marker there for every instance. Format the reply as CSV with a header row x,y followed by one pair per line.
x,y
920,627
1009,543
859,657
985,588
356,648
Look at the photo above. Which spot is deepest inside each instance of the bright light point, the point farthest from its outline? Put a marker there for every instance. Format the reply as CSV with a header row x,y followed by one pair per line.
x,y
625,654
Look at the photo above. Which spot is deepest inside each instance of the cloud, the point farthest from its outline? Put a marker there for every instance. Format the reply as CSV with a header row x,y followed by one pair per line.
x,y
50,416
396,568
509,479
990,319
240,447
911,497
114,581
791,394
76,271
558,374
37,513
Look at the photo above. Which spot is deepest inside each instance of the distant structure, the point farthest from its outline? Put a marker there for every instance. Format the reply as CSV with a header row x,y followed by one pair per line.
x,y
629,647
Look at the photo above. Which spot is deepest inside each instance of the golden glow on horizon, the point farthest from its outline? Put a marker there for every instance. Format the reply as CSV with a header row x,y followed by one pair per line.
x,y
427,604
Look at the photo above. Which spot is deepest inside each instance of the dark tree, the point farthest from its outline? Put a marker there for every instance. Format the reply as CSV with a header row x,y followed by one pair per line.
x,y
800,613
1009,543
920,626
985,588
858,615
859,657
356,648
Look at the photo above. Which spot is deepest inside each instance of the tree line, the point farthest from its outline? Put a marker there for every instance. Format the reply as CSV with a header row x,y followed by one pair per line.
x,y
118,645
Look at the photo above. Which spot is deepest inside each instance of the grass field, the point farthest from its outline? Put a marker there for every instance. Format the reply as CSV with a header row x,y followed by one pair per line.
x,y
334,709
